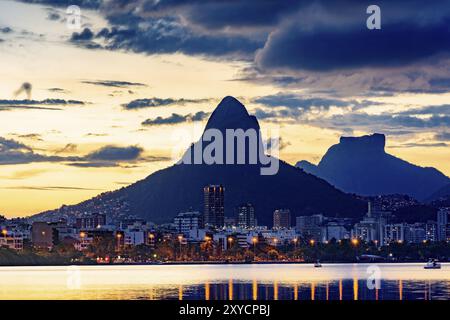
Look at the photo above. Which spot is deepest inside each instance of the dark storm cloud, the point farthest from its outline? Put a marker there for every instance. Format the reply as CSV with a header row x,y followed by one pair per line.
x,y
175,119
114,83
293,34
397,44
159,102
169,35
114,153
213,14
411,30
300,38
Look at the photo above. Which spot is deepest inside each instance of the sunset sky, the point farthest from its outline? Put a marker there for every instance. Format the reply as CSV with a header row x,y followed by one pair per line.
x,y
108,101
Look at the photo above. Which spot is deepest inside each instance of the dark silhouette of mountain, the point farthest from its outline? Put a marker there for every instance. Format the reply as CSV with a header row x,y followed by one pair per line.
x,y
360,165
442,193
415,213
165,193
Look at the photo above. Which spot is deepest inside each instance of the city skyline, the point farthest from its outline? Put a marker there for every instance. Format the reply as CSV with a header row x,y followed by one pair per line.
x,y
121,99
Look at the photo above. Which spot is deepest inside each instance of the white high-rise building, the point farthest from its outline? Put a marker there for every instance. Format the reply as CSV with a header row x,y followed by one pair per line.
x,y
186,221
396,232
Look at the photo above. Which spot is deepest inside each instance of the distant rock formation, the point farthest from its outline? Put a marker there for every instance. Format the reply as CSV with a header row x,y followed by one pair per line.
x,y
360,165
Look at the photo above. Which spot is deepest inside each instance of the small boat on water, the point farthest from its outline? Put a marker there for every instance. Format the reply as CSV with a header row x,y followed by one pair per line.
x,y
317,264
432,264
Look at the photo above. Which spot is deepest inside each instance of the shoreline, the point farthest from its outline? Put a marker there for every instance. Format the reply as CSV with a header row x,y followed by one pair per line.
x,y
187,263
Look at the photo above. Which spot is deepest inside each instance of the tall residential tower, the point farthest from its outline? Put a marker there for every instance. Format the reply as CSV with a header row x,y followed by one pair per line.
x,y
214,211
246,216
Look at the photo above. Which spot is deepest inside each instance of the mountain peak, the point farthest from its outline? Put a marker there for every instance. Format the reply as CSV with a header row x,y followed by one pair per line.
x,y
374,142
360,165
231,114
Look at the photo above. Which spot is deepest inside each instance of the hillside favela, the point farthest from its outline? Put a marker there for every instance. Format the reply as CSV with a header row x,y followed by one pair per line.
x,y
152,152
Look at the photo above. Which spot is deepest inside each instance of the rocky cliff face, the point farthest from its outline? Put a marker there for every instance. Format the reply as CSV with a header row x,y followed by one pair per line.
x,y
361,165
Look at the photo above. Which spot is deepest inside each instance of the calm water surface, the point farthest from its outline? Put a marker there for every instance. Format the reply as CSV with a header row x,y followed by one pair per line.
x,y
225,282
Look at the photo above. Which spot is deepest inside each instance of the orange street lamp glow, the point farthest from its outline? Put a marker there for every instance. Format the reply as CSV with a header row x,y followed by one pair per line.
x,y
4,232
295,240
151,235
230,239
119,236
180,238
311,242
355,241
207,238
82,234
254,240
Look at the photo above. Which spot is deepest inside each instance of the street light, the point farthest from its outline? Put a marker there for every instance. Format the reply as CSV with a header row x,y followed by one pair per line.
x,y
312,242
230,242
4,232
355,241
180,239
255,241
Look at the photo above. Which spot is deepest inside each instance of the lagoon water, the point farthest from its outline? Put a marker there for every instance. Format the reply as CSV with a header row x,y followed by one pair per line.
x,y
227,282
